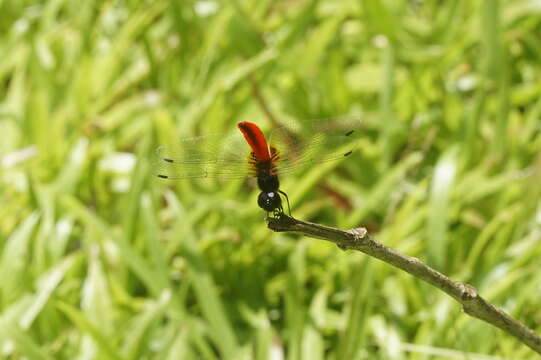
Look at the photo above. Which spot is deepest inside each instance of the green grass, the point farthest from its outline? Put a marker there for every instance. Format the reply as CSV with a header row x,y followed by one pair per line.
x,y
100,259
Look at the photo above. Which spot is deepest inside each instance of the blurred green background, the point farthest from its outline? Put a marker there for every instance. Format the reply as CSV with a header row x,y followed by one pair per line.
x,y
102,260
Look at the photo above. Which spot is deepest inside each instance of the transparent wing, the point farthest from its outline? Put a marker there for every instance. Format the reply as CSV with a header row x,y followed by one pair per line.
x,y
314,141
211,156
225,156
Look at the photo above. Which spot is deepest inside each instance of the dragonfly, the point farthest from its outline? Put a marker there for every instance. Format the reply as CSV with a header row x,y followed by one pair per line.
x,y
249,153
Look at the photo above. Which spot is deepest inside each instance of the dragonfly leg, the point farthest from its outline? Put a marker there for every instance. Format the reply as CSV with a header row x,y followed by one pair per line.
x,y
276,213
287,200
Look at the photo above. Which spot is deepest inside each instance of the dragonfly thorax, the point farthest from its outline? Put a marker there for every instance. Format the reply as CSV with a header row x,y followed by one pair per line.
x,y
268,182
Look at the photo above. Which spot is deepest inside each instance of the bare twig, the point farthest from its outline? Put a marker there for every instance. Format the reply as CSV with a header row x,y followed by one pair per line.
x,y
358,239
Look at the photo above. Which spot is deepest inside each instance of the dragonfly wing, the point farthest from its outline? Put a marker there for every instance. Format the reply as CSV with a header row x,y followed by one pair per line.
x,y
314,141
211,156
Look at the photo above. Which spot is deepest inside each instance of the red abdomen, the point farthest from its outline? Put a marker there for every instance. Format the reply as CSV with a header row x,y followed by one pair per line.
x,y
255,138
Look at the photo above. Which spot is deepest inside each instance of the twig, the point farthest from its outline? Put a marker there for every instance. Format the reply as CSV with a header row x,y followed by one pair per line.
x,y
358,239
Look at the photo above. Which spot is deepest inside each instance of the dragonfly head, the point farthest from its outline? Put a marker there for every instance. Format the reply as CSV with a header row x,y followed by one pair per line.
x,y
269,201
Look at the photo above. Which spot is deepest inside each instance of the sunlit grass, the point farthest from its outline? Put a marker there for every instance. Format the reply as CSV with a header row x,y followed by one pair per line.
x,y
100,259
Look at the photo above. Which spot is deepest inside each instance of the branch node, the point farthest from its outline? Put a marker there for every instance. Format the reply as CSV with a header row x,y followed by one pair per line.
x,y
359,232
468,292
359,235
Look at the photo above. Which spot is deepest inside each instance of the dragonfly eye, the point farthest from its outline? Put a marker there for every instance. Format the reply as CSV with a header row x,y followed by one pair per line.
x,y
269,201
